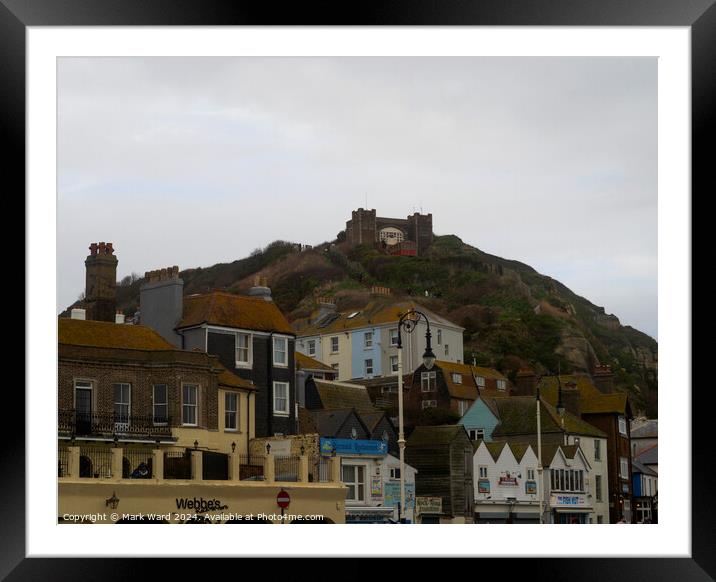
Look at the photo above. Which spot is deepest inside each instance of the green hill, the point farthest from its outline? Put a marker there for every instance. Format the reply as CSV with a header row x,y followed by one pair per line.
x,y
513,316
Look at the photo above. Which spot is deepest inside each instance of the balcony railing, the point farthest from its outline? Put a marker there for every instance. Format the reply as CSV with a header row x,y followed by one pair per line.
x,y
109,425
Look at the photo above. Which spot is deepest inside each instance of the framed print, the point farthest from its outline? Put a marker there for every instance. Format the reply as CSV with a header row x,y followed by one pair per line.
x,y
386,375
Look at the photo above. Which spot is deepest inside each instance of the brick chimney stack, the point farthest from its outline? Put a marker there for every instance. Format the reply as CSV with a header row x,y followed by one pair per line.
x,y
603,378
101,282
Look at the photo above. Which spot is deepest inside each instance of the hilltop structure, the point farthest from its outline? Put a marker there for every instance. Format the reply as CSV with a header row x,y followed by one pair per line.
x,y
402,236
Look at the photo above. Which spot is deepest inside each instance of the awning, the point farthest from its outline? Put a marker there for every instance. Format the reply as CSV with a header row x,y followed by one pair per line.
x,y
573,509
492,515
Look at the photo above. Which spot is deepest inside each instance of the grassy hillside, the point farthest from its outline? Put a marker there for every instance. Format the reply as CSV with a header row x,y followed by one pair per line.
x,y
512,315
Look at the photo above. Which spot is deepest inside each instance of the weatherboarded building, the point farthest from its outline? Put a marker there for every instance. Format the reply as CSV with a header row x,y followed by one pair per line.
x,y
443,457
249,334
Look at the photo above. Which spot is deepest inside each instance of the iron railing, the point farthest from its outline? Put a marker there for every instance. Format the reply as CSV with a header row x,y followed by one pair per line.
x,y
103,424
177,464
319,469
251,467
95,462
63,454
137,463
286,468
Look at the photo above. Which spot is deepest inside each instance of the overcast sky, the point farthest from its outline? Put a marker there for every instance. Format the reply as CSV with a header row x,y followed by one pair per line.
x,y
194,161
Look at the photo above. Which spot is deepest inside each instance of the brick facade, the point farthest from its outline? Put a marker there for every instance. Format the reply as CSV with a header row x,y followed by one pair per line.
x,y
141,369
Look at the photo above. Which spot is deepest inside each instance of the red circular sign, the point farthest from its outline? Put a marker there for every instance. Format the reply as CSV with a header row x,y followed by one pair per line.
x,y
283,499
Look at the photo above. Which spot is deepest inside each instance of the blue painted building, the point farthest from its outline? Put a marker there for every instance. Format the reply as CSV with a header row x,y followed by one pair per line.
x,y
480,420
365,353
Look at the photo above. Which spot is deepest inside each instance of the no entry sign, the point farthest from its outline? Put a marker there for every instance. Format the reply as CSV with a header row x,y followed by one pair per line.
x,y
283,499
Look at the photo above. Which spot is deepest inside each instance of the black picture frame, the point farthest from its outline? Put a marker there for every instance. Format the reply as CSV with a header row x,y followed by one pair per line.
x,y
700,15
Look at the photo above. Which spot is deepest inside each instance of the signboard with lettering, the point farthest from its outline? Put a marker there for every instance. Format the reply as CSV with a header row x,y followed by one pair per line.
x,y
392,494
429,504
353,447
531,487
483,486
567,500
508,479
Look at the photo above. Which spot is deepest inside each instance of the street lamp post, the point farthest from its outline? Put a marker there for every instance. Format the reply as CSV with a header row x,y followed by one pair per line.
x,y
408,321
540,478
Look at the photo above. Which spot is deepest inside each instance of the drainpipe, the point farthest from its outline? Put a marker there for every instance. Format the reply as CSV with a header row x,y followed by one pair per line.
x,y
269,376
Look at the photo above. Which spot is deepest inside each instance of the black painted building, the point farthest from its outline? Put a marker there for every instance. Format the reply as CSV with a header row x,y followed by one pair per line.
x,y
249,334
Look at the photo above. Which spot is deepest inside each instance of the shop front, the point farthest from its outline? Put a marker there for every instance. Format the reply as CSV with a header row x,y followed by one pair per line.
x,y
571,509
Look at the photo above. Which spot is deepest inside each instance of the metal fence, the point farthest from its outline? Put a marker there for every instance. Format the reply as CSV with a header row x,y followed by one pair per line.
x,y
95,462
103,424
286,468
251,467
177,465
137,463
319,469
63,455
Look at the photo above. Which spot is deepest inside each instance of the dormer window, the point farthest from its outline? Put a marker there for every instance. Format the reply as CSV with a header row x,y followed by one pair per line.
x,y
501,384
480,381
457,378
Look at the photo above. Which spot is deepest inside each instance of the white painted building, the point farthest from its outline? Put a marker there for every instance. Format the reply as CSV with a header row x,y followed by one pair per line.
x,y
505,480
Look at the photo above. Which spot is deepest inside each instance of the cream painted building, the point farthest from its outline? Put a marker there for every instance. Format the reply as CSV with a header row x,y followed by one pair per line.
x,y
362,343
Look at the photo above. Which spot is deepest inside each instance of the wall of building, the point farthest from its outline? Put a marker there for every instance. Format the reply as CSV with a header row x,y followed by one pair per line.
x,y
87,496
161,307
580,502
262,373
480,416
599,467
360,353
618,445
104,375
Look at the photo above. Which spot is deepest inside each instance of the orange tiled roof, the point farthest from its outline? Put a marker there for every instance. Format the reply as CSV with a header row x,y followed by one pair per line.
x,y
231,380
304,362
592,400
374,313
102,334
237,311
467,389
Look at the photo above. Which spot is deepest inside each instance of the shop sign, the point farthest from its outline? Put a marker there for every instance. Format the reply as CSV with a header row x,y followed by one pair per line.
x,y
392,495
508,479
429,504
483,486
567,500
353,447
531,487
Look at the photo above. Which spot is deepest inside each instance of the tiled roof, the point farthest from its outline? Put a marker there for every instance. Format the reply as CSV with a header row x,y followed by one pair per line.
x,y
495,449
637,467
616,402
304,362
647,430
236,311
434,435
649,456
371,419
101,334
375,313
550,450
230,380
468,389
341,395
592,401
517,416
329,422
